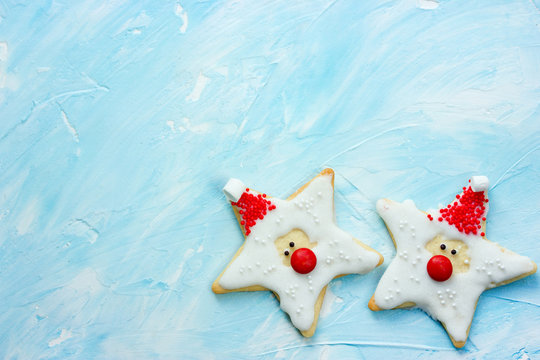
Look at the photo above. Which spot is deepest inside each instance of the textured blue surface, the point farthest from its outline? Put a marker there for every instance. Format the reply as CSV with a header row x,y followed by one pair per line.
x,y
121,121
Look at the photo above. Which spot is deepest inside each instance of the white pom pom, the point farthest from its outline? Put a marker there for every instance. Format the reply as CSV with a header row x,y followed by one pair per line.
x,y
234,189
479,183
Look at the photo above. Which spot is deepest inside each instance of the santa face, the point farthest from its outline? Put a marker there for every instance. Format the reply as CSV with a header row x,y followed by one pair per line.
x,y
456,251
294,248
449,257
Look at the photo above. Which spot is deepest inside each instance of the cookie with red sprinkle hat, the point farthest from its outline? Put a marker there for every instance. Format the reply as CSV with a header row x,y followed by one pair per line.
x,y
444,260
292,247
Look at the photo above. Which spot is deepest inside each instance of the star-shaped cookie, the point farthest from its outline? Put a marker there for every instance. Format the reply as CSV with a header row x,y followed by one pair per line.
x,y
444,261
292,247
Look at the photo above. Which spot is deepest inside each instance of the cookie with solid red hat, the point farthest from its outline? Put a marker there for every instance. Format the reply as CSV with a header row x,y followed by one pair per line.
x,y
292,247
444,260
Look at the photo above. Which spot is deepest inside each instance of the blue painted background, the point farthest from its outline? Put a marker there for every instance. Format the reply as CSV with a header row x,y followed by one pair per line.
x,y
120,122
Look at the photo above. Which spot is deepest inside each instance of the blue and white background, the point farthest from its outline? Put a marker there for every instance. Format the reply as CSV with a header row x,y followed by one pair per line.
x,y
120,122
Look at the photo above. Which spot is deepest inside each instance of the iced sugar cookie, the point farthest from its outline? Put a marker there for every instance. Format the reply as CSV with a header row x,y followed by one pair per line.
x,y
443,260
292,247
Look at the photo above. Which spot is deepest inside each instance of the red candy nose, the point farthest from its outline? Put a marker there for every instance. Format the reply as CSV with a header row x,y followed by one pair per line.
x,y
439,268
303,260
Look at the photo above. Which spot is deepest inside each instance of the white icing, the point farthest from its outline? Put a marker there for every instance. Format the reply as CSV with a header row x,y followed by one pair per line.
x,y
453,302
234,189
479,183
311,211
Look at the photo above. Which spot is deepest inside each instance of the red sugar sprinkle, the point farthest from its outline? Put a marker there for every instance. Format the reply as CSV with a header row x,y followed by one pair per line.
x,y
482,234
254,208
466,212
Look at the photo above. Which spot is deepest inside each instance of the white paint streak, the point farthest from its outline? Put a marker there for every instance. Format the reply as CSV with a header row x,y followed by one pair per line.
x,y
222,70
26,218
64,335
3,60
86,282
329,300
3,51
369,139
197,129
39,106
135,25
174,278
170,124
182,14
325,353
70,127
201,83
241,127
7,81
83,229
427,4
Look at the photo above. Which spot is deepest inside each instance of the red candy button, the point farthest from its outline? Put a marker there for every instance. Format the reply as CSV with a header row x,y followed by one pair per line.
x,y
303,260
439,268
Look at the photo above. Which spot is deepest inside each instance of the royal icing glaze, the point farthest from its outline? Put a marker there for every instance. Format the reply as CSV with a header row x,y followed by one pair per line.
x,y
327,251
417,274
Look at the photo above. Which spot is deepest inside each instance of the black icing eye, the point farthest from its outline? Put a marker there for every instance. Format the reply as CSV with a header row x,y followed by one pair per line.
x,y
454,251
443,246
291,244
286,252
